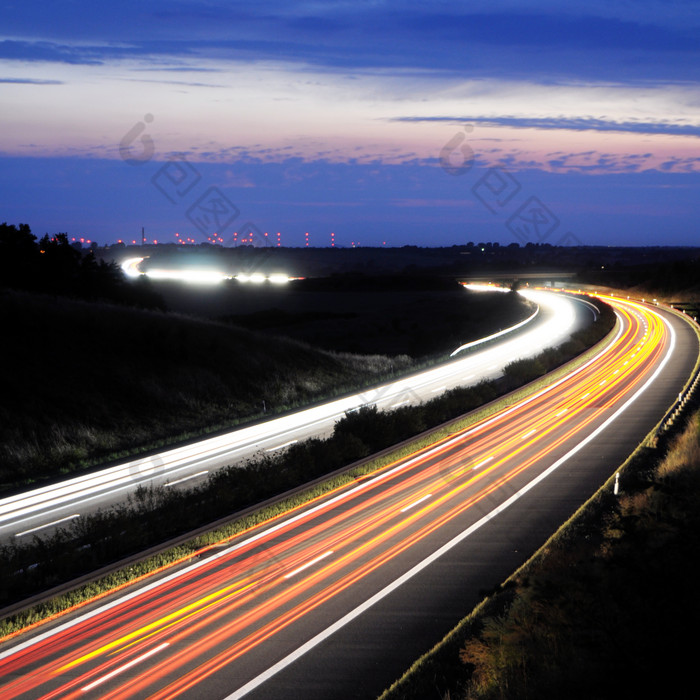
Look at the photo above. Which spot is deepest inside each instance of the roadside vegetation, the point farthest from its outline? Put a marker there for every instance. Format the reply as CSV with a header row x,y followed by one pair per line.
x,y
599,611
154,516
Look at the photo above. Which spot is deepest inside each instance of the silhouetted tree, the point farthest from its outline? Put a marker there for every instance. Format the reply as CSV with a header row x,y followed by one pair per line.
x,y
53,265
19,256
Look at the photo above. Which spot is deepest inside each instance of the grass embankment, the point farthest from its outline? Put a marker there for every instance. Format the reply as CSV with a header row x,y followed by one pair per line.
x,y
83,382
605,609
86,383
154,516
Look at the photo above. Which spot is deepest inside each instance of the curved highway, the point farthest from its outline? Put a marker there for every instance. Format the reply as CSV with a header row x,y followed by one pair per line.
x,y
333,598
36,511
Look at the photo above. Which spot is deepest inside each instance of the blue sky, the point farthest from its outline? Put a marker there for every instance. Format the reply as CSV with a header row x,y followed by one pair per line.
x,y
398,122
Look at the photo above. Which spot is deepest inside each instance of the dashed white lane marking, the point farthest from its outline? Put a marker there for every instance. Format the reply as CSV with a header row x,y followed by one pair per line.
x,y
308,564
415,503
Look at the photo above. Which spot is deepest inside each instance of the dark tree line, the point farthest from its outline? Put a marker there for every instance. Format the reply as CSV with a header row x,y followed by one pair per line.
x,y
52,265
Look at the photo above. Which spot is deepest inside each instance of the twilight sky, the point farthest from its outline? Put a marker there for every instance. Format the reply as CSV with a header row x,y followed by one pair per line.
x,y
401,122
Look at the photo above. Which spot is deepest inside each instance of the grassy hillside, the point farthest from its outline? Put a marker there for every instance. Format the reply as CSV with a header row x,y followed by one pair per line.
x,y
83,380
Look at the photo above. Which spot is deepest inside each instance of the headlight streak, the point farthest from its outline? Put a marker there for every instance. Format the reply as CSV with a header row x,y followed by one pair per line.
x,y
131,269
362,535
496,335
117,480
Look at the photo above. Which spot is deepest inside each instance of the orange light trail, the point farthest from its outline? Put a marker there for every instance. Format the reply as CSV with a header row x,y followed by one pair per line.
x,y
207,618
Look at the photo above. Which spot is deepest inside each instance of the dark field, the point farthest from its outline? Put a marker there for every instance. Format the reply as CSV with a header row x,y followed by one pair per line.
x,y
83,383
391,315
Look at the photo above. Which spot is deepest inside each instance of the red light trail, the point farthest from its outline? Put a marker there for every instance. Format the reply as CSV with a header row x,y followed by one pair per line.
x,y
167,640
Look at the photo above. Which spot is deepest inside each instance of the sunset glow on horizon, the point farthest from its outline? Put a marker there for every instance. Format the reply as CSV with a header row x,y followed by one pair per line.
x,y
348,114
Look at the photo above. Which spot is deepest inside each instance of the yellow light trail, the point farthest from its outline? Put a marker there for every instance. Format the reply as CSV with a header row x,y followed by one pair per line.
x,y
267,584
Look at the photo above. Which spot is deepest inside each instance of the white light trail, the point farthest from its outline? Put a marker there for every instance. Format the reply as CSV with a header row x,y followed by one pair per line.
x,y
125,667
130,266
187,478
52,501
42,527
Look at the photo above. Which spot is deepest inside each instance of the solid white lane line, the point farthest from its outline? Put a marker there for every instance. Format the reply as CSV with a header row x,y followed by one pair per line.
x,y
326,504
281,447
41,527
495,335
187,478
125,667
93,487
353,614
415,503
308,564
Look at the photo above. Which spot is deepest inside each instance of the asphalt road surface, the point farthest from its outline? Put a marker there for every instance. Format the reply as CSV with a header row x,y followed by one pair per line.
x,y
336,598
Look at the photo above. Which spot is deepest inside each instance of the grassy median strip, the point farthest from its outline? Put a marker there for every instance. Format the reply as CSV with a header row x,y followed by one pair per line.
x,y
167,518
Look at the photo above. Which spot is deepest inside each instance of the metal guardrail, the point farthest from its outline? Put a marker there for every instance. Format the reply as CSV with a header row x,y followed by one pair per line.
x,y
675,413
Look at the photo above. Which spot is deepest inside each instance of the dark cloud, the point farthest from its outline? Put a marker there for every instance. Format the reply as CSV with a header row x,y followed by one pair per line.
x,y
31,81
180,69
574,124
185,83
540,43
47,51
